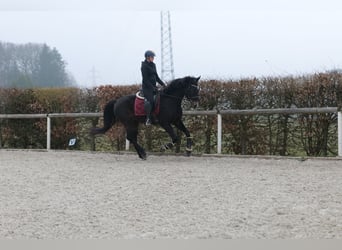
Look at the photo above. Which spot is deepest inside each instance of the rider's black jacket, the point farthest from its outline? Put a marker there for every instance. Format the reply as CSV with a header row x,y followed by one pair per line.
x,y
150,76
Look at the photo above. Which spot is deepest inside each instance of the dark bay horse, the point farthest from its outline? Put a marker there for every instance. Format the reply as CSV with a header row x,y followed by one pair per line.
x,y
122,110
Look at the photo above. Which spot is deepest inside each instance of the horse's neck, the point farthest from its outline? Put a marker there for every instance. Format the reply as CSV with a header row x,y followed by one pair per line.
x,y
177,95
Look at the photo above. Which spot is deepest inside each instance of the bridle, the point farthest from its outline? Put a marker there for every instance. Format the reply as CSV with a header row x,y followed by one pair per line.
x,y
195,86
189,88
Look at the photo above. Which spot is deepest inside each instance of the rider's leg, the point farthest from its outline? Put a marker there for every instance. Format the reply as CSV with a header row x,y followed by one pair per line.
x,y
148,110
148,104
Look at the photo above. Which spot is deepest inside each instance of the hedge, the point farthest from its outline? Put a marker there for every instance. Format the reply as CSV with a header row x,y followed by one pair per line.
x,y
307,134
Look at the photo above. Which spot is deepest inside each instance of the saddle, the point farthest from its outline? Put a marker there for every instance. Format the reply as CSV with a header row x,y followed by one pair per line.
x,y
139,109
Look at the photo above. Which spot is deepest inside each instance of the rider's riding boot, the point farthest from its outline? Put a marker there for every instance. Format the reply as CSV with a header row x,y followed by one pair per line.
x,y
148,109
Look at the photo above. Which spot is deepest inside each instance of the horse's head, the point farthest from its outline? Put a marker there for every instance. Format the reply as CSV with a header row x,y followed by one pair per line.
x,y
186,86
192,88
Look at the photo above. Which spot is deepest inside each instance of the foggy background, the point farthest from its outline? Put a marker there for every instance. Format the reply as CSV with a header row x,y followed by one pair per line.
x,y
103,42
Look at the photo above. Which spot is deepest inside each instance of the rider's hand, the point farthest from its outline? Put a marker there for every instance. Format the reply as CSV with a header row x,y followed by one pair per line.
x,y
161,87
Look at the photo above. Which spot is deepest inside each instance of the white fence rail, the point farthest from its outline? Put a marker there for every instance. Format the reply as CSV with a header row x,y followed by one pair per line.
x,y
210,112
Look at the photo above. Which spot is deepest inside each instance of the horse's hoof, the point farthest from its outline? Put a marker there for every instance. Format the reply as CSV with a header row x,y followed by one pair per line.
x,y
143,156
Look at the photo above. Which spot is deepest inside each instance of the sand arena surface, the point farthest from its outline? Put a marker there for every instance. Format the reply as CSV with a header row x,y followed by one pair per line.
x,y
82,195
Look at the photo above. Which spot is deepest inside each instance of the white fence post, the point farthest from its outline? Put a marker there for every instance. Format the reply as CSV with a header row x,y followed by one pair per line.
x,y
48,132
127,145
339,132
219,133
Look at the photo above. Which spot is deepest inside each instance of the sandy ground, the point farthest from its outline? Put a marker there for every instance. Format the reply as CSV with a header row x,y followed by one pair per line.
x,y
81,195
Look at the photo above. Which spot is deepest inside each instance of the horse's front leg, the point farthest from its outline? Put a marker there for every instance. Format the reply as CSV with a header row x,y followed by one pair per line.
x,y
168,128
180,125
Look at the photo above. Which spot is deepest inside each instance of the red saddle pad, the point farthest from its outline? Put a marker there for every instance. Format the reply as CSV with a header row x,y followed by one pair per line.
x,y
139,106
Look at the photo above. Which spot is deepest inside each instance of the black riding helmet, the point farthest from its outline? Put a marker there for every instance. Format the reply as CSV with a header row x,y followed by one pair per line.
x,y
149,53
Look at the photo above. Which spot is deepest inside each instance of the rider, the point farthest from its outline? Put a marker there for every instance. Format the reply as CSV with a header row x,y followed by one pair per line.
x,y
149,79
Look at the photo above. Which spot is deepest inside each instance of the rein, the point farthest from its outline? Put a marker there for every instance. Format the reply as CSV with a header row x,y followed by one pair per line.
x,y
180,98
172,96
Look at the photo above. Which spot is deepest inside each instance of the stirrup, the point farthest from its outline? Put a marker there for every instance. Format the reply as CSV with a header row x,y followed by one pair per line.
x,y
148,122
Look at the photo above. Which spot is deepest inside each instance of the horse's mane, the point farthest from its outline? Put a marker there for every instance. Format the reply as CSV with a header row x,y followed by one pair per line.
x,y
177,84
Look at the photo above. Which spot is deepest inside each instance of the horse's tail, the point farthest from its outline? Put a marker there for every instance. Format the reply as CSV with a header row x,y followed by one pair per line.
x,y
108,119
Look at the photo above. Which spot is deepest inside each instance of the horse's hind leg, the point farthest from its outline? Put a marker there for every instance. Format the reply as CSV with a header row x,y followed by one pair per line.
x,y
132,136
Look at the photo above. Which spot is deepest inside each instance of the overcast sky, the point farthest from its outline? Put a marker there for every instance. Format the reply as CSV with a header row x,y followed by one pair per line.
x,y
214,39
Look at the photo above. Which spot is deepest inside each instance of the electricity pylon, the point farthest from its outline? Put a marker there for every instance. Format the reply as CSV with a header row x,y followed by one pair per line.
x,y
167,70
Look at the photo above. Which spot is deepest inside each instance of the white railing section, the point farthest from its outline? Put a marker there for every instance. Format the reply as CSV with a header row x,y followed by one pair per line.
x,y
218,113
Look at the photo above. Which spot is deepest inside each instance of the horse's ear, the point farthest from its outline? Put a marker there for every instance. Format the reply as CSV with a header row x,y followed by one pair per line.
x,y
197,79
